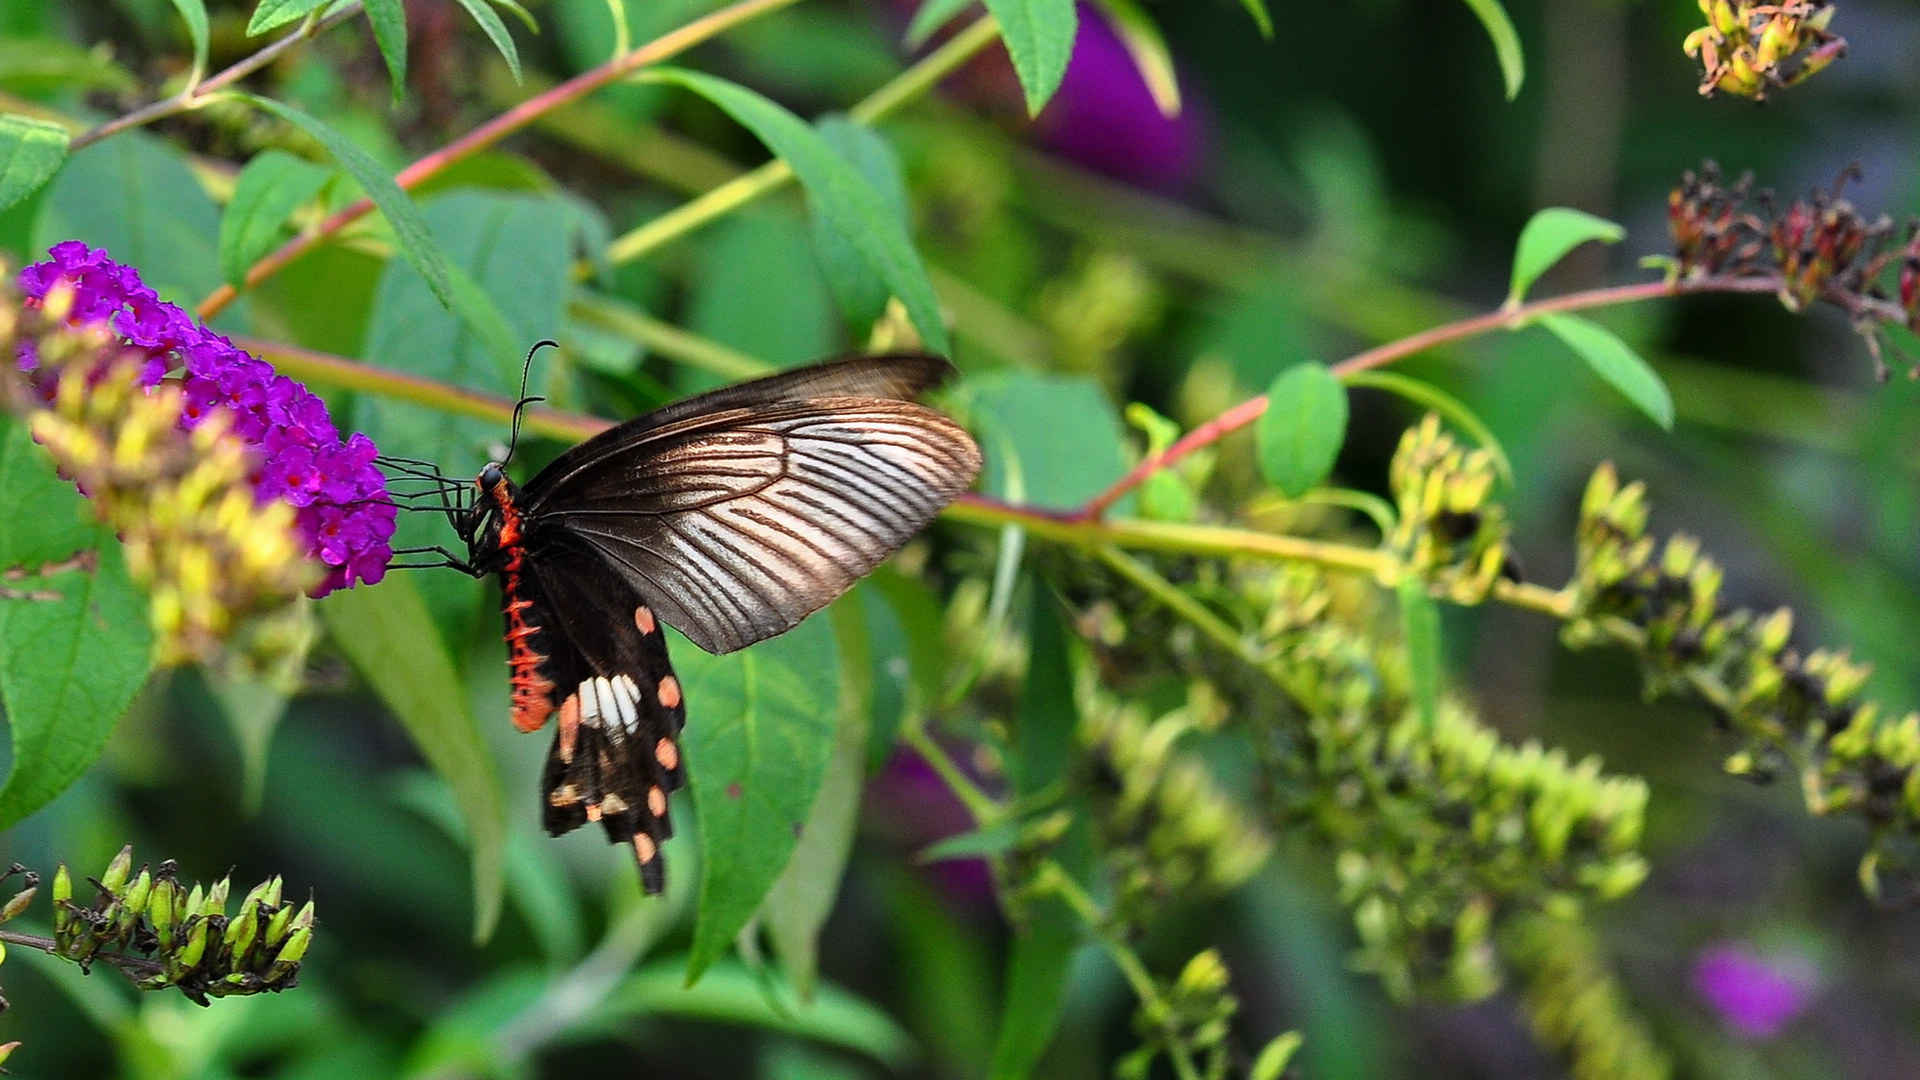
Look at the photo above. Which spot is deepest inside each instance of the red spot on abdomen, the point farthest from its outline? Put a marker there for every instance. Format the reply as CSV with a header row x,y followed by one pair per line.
x,y
532,690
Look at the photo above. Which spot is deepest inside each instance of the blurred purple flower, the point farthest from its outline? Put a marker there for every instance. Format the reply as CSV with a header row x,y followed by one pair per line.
x,y
913,807
1755,995
1105,118
340,493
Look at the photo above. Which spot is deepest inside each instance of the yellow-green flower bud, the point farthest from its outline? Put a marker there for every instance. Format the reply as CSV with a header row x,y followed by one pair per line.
x,y
21,899
290,954
195,948
1204,974
216,901
163,910
241,931
277,927
117,870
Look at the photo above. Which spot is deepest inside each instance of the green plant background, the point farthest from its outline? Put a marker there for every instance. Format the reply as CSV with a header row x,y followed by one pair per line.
x,y
1362,176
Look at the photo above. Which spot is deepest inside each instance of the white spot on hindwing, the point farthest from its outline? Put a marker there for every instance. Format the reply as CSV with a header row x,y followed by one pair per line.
x,y
616,700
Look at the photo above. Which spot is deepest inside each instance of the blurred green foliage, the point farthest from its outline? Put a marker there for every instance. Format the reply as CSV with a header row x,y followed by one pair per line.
x,y
1218,798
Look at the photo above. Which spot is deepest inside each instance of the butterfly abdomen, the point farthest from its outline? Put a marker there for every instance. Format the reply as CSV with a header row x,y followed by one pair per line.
x,y
526,659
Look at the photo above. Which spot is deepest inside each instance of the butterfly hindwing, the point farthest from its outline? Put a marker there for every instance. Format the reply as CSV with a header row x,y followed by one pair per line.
x,y
615,756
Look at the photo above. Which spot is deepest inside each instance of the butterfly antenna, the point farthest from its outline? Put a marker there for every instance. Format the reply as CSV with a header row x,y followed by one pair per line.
x,y
520,406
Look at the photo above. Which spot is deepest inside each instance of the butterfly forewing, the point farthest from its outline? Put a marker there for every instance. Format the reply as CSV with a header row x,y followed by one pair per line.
x,y
740,524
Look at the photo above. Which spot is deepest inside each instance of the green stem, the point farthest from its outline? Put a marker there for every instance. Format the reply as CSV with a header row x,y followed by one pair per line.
x,y
1053,878
195,92
618,317
749,186
980,806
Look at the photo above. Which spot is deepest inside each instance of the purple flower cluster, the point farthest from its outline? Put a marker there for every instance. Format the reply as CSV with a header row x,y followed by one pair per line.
x,y
340,493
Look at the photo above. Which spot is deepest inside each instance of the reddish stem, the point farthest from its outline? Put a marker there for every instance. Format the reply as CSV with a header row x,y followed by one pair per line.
x,y
1379,356
493,131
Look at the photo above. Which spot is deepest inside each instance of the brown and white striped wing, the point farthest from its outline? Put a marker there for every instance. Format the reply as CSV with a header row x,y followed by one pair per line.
x,y
737,525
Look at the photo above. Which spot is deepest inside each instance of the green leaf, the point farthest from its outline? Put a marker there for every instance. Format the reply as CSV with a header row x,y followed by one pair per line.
x,y
1143,43
31,151
1547,239
798,904
135,196
1261,18
909,654
389,21
1616,362
861,292
973,844
74,640
386,631
272,186
931,16
1506,42
728,302
1061,433
496,32
756,762
836,191
1300,434
416,242
272,13
194,14
1039,36
507,258
1276,1056
1050,933
1420,626
731,994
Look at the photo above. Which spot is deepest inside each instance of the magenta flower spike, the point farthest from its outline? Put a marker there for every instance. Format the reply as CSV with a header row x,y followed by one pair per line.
x,y
339,494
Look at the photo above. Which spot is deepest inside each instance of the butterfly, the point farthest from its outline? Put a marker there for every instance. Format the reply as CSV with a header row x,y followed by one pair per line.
x,y
729,516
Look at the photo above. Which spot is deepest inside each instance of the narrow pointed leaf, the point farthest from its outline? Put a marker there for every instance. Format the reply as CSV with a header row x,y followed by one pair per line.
x,y
1506,43
1143,43
416,242
836,191
1616,362
272,13
389,21
194,14
496,32
1039,36
1547,239
1043,948
388,634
